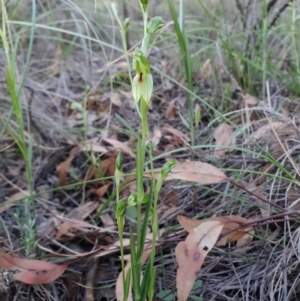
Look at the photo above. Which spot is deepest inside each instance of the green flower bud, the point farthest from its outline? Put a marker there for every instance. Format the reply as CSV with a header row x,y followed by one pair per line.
x,y
140,62
132,200
163,173
114,10
118,175
76,106
119,161
142,87
144,4
121,208
145,199
87,90
155,24
126,24
167,167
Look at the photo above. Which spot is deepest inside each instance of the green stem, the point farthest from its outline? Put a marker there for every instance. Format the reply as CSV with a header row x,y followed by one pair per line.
x,y
142,152
120,222
154,224
124,44
145,19
120,228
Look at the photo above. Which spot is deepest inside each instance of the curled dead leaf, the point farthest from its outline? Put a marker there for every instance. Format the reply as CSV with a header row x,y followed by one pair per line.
x,y
31,271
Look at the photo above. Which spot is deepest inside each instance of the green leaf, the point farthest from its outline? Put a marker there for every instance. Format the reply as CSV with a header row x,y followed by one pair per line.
x,y
166,295
135,268
151,284
185,55
127,284
197,284
196,298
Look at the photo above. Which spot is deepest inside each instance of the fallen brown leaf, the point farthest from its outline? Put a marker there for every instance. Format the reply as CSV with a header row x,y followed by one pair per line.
x,y
191,253
12,200
90,281
101,190
193,171
230,223
93,145
156,136
64,166
171,198
206,71
170,111
176,132
108,166
83,211
266,129
107,221
68,228
243,242
224,136
31,271
166,213
264,171
122,146
293,197
260,197
115,99
250,100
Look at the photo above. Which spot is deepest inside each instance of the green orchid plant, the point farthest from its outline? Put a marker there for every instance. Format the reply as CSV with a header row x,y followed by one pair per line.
x,y
142,89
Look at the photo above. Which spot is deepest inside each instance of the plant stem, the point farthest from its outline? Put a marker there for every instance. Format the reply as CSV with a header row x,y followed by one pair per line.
x,y
142,152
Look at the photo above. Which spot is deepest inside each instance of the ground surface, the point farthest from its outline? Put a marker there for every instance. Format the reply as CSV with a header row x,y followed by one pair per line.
x,y
73,150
